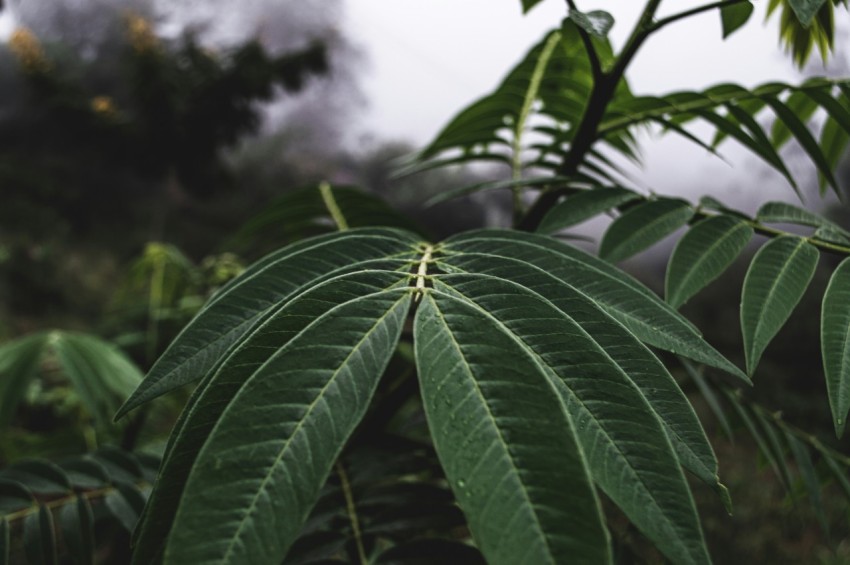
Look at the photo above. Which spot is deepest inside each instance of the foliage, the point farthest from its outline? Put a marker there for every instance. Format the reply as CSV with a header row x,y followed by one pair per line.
x,y
548,415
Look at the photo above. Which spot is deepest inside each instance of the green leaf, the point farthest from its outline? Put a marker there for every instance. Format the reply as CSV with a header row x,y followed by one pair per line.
x,y
810,478
19,363
703,254
596,22
784,213
802,104
709,395
290,418
642,226
527,5
211,397
125,504
774,284
77,523
504,440
835,344
629,302
735,16
102,375
606,409
654,383
583,206
14,496
806,9
39,538
840,473
41,477
272,280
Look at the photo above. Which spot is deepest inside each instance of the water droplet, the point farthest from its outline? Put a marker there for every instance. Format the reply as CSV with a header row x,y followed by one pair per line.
x,y
461,484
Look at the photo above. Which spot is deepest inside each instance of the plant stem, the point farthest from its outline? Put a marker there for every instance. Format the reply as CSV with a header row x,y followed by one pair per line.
x,y
586,133
592,55
352,512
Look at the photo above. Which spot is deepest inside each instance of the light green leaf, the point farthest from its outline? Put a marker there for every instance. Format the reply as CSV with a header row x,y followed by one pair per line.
x,y
290,418
583,206
655,384
835,344
642,226
597,22
629,302
703,254
806,9
734,17
775,283
504,440
605,407
276,278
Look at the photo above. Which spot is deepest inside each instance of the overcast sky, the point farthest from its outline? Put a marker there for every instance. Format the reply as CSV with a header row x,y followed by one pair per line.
x,y
426,60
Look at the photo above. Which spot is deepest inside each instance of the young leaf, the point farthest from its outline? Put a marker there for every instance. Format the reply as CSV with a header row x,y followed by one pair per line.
x,y
735,16
504,440
290,419
774,284
272,280
642,226
835,344
650,319
597,22
584,205
702,255
607,410
805,10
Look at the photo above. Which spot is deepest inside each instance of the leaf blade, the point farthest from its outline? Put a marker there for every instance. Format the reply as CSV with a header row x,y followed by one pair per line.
x,y
642,226
835,344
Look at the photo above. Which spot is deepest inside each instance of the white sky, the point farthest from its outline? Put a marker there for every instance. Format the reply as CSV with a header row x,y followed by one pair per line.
x,y
427,60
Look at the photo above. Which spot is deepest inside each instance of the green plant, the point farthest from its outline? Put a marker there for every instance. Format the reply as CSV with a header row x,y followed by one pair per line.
x,y
531,356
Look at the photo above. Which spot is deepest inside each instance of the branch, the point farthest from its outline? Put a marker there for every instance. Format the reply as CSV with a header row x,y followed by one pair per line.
x,y
693,12
587,131
592,55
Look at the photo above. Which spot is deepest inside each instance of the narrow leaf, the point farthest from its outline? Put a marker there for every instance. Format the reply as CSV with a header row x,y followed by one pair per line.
x,y
840,473
650,319
709,396
735,16
607,410
505,441
77,523
810,478
583,206
642,226
703,254
39,538
784,213
291,419
835,344
274,279
774,284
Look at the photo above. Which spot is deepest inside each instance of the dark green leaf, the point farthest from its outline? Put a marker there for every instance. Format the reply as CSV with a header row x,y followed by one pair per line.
x,y
504,440
835,344
703,254
734,17
39,476
527,5
629,302
291,419
642,226
605,407
583,206
430,551
39,538
272,280
122,508
19,363
14,496
775,283
709,396
77,523
810,478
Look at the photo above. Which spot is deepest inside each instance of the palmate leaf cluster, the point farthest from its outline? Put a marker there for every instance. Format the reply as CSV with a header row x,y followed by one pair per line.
x,y
64,511
531,358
